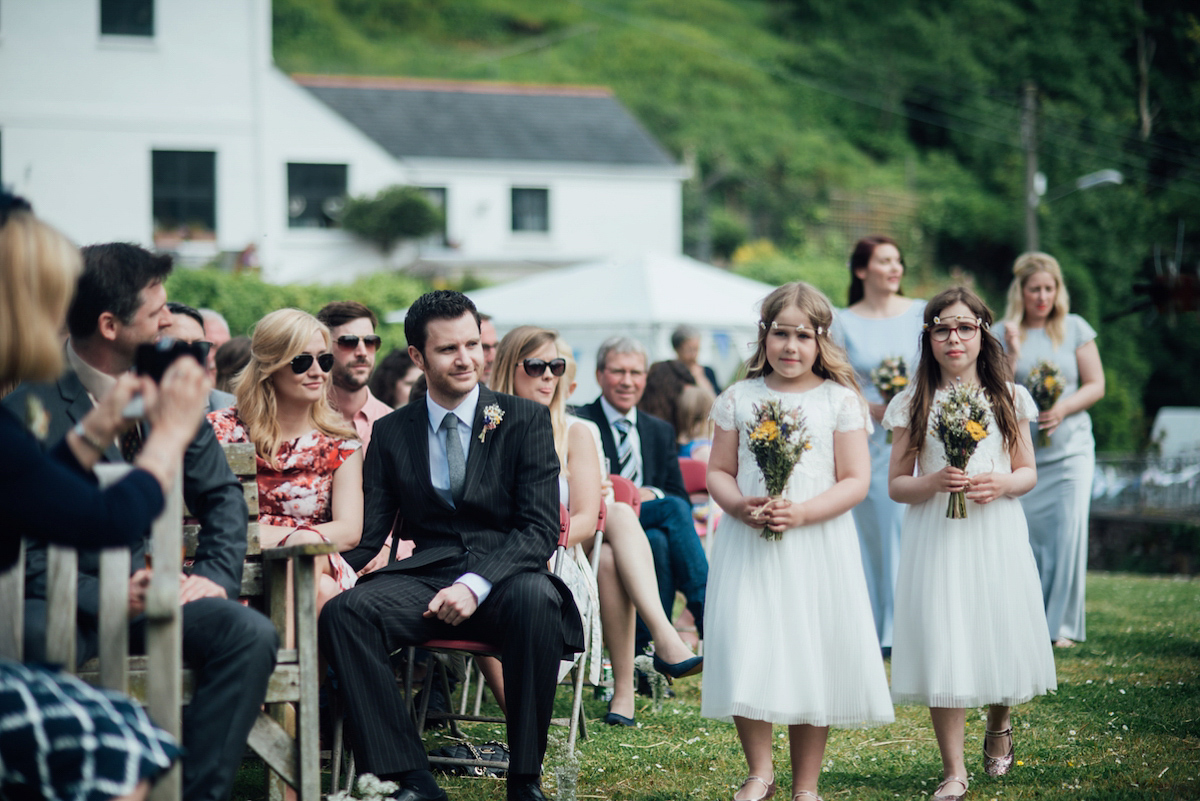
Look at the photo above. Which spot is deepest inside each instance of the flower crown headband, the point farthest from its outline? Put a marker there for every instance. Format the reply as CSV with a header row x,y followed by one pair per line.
x,y
958,318
820,329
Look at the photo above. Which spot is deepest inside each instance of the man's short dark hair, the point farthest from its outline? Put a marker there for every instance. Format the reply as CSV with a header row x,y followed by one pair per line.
x,y
175,307
112,280
441,304
391,368
340,312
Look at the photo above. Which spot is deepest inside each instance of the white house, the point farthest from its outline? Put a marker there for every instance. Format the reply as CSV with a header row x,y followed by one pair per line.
x,y
165,122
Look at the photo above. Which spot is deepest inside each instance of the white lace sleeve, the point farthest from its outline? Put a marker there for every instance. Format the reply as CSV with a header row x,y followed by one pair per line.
x,y
1024,404
723,409
852,412
896,415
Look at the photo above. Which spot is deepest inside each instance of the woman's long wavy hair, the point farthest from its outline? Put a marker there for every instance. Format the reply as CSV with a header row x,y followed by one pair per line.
x,y
278,338
860,257
1025,267
832,362
991,368
38,270
513,349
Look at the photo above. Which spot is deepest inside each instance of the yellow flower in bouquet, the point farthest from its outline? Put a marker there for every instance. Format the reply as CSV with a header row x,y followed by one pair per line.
x,y
960,421
1045,384
778,438
890,377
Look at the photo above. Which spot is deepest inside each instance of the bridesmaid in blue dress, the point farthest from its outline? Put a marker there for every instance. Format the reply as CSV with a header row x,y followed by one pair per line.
x,y
879,323
1038,326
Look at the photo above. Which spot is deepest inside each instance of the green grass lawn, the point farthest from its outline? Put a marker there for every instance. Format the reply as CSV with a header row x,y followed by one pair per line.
x,y
1124,724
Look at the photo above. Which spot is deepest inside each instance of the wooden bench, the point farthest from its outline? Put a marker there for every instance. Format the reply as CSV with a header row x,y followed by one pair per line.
x,y
159,679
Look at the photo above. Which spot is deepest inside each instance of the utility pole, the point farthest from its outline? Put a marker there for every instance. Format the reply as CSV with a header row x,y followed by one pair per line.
x,y
1029,142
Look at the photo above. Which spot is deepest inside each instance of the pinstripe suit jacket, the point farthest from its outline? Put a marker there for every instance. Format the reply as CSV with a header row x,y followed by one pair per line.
x,y
507,519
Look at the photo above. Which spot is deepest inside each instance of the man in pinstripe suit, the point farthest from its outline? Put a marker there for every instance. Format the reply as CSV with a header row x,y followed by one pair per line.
x,y
472,477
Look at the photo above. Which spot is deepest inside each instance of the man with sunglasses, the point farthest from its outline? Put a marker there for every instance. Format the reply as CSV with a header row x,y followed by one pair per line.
x,y
352,326
120,303
187,325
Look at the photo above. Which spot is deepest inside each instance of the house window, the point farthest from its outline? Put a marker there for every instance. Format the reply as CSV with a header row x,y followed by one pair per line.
x,y
316,195
127,17
530,209
436,195
185,193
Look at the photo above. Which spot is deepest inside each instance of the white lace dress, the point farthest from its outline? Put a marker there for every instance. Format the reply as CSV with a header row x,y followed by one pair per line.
x,y
789,634
970,628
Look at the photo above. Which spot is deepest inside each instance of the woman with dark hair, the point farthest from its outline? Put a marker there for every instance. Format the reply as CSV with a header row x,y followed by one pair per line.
x,y
394,376
230,359
878,324
63,739
1039,327
685,341
664,382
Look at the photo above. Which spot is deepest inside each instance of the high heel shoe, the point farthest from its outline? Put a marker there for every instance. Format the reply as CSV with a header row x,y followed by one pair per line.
x,y
770,791
998,766
937,793
677,670
613,719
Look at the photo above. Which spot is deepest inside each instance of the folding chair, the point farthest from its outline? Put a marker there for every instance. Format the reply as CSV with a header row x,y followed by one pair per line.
x,y
625,491
695,481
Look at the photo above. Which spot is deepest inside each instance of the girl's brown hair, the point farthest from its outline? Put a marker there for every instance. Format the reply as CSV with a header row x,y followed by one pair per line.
x,y
278,338
991,368
832,362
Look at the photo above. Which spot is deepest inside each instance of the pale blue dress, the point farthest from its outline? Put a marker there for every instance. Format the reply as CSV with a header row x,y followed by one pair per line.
x,y
1057,508
868,342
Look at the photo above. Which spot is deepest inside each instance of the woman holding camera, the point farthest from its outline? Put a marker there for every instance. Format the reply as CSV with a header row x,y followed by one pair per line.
x,y
309,460
106,747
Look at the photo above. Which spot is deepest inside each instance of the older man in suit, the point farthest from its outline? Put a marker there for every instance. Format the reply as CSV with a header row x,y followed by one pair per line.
x,y
472,477
642,448
120,303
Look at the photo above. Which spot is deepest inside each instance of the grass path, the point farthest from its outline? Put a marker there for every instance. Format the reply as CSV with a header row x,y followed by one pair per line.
x,y
1124,724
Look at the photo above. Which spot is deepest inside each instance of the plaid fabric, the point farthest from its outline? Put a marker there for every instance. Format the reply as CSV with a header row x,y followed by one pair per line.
x,y
65,740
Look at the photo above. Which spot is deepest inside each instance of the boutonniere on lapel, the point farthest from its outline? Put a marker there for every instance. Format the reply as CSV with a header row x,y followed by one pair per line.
x,y
37,419
492,415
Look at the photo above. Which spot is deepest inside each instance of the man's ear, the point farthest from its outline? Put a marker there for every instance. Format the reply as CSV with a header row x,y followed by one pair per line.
x,y
108,326
417,357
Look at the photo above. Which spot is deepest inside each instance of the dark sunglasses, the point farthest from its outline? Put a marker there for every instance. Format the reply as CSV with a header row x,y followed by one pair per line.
x,y
350,342
301,363
536,368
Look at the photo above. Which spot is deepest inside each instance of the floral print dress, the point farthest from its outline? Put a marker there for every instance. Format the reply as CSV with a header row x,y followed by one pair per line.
x,y
299,492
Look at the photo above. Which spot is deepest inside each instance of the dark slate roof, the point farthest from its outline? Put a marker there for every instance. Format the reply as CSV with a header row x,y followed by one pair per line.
x,y
447,119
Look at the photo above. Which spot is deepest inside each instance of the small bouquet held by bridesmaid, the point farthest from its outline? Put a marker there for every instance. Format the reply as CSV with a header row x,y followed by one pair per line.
x,y
1045,384
960,422
778,438
890,377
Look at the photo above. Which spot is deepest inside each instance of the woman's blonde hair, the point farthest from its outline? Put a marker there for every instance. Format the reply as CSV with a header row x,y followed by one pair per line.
x,y
513,349
278,338
691,412
38,270
832,362
1025,267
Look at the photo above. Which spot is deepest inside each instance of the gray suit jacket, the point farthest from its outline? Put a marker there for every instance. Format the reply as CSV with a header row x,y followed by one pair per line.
x,y
210,489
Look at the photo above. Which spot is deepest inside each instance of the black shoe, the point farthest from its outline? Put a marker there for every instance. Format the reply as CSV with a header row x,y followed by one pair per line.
x,y
437,703
613,719
525,791
409,794
688,667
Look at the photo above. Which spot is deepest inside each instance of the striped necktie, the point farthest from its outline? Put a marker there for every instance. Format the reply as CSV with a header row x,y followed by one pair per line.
x,y
628,458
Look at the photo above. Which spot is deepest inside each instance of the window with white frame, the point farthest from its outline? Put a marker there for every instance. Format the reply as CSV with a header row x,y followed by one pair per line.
x,y
530,209
185,193
316,195
127,17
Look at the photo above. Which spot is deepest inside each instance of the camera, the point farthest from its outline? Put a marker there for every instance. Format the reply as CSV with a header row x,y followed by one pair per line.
x,y
153,360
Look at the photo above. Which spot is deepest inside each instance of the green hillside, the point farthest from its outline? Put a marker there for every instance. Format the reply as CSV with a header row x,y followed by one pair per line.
x,y
805,119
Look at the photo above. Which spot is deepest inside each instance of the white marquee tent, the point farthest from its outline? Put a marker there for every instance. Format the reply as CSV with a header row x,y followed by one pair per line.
x,y
645,297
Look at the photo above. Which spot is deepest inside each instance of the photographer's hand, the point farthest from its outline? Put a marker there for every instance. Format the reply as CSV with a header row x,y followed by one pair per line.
x,y
175,412
104,423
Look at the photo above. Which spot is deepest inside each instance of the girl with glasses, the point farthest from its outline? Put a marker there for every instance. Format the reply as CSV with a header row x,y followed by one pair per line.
x,y
531,363
309,460
970,630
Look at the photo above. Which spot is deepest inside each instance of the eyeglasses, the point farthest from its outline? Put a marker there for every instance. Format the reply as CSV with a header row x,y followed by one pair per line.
x,y
965,327
536,368
350,342
301,363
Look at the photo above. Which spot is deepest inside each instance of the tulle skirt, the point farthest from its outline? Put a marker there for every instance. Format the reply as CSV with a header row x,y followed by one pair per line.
x,y
970,629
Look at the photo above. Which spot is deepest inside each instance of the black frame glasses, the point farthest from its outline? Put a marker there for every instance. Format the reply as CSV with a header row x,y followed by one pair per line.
x,y
350,341
536,368
301,363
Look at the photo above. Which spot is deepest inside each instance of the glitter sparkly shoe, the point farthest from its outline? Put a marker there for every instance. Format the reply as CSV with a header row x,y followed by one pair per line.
x,y
998,766
939,796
